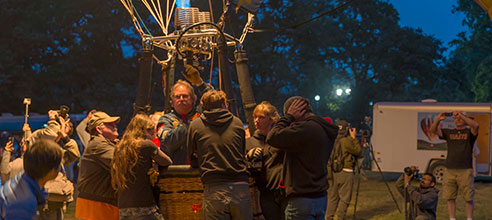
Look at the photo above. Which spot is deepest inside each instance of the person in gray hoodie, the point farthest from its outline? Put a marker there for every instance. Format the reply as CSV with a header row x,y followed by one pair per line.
x,y
217,146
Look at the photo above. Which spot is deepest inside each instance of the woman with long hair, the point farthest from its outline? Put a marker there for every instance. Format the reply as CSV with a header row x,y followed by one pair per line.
x,y
266,161
132,170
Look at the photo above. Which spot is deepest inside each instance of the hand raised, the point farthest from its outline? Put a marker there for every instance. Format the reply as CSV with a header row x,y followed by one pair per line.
x,y
297,108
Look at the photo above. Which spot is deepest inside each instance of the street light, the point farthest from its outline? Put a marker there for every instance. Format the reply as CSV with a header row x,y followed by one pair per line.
x,y
348,91
316,99
339,92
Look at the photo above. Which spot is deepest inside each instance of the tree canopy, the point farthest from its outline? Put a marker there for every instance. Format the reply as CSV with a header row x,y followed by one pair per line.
x,y
82,54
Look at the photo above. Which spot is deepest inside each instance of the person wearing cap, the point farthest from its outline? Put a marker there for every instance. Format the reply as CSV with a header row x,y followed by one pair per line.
x,y
173,126
307,140
459,168
97,199
340,191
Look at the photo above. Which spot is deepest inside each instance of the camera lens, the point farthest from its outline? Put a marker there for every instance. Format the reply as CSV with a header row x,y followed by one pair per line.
x,y
408,171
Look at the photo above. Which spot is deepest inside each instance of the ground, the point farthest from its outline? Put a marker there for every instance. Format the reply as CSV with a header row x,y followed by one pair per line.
x,y
375,202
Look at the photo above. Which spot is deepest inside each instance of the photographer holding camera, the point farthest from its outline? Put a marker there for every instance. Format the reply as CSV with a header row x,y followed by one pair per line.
x,y
60,190
459,166
423,199
348,149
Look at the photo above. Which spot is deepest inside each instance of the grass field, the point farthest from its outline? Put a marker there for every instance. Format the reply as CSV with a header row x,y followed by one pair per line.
x,y
376,203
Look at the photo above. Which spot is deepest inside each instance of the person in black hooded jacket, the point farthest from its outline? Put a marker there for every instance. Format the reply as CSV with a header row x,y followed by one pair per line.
x,y
307,140
266,162
216,144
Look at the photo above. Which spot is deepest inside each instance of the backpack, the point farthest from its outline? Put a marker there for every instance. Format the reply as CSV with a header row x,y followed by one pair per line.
x,y
59,189
336,158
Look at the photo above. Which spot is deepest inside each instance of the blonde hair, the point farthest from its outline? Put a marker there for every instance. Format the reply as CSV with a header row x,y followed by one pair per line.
x,y
269,110
126,151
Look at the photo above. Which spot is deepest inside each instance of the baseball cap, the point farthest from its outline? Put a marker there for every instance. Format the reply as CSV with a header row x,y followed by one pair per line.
x,y
342,125
101,117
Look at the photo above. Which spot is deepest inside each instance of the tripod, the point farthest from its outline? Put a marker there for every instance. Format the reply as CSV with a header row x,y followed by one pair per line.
x,y
371,149
408,209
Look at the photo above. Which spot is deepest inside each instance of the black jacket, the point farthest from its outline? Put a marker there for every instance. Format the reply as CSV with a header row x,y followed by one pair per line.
x,y
217,137
307,145
272,158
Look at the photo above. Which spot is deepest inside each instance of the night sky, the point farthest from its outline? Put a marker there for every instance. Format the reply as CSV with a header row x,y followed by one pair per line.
x,y
434,17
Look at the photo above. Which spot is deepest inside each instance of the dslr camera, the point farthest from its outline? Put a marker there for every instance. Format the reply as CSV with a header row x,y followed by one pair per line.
x,y
409,172
257,163
63,112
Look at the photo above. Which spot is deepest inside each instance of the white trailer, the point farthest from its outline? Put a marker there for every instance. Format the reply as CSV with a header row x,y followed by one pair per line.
x,y
401,137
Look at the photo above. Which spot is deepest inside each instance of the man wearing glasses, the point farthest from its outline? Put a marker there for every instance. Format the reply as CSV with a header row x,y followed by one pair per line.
x,y
173,126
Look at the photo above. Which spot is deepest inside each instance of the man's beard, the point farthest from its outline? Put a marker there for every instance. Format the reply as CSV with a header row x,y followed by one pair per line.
x,y
425,187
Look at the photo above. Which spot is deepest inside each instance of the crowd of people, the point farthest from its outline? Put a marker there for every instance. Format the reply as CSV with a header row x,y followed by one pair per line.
x,y
289,159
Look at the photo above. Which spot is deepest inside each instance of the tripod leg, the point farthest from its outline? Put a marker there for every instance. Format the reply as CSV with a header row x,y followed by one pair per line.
x,y
382,176
357,190
406,197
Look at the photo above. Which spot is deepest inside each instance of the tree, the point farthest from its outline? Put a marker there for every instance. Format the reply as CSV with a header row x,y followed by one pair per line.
x,y
361,46
472,55
66,52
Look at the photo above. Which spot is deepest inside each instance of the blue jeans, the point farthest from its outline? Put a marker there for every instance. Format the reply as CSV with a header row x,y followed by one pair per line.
x,y
227,201
302,208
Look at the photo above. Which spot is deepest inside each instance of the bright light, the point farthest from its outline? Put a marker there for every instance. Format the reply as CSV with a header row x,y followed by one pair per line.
x,y
183,4
371,103
339,92
317,98
348,91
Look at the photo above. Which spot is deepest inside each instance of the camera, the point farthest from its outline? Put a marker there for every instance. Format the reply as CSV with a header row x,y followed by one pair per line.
x,y
257,163
409,172
448,114
63,111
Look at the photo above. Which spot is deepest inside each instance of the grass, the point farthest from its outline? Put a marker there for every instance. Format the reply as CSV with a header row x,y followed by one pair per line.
x,y
375,203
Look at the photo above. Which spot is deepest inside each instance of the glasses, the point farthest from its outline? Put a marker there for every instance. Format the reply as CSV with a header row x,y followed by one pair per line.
x,y
181,96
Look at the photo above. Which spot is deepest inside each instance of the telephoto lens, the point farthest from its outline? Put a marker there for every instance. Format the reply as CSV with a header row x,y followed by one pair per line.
x,y
408,171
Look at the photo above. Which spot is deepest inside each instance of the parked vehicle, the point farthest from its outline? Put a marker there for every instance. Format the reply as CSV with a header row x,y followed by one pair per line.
x,y
401,135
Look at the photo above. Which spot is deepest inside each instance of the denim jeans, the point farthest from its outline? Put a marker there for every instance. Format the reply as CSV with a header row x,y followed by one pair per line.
x,y
302,208
227,201
272,205
153,216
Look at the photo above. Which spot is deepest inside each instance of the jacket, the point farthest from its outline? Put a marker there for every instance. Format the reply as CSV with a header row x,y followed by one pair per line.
x,y
20,198
350,150
423,200
94,181
307,145
173,129
69,147
217,137
272,158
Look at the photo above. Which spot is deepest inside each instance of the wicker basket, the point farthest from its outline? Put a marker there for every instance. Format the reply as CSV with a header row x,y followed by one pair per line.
x,y
181,193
